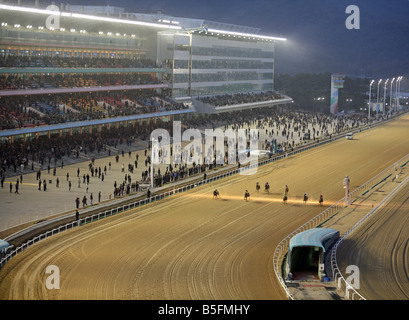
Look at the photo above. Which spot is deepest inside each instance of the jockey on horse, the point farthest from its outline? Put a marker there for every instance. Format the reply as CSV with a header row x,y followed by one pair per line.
x,y
267,187
305,198
246,195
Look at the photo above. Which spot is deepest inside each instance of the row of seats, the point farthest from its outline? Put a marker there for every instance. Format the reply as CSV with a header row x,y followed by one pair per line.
x,y
73,62
22,111
240,98
15,82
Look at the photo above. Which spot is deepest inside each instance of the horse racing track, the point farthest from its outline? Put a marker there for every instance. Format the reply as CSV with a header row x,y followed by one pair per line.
x,y
191,246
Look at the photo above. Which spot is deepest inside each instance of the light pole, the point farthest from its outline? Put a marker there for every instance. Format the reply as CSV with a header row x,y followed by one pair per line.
x,y
377,98
384,97
390,96
370,93
399,88
398,92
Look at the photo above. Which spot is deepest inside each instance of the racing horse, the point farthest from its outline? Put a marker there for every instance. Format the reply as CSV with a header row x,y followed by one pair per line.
x,y
267,187
216,194
246,195
257,187
305,198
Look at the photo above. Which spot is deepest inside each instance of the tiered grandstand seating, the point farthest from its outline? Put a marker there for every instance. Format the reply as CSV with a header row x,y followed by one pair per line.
x,y
73,62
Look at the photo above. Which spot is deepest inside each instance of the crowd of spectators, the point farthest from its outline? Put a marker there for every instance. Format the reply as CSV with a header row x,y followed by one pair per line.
x,y
46,149
51,151
77,80
16,116
36,110
11,61
229,76
239,98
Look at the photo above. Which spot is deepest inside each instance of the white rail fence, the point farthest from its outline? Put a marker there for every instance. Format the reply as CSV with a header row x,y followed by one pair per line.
x,y
338,276
282,248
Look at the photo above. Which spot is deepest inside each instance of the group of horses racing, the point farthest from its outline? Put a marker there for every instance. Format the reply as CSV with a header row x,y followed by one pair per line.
x,y
216,194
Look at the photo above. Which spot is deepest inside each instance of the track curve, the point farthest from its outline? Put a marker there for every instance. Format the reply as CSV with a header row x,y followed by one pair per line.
x,y
380,249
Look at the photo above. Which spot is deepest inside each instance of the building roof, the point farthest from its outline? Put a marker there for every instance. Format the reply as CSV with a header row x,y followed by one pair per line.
x,y
315,237
99,16
3,244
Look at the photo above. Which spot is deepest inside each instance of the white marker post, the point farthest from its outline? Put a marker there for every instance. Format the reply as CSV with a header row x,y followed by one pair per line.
x,y
154,156
347,195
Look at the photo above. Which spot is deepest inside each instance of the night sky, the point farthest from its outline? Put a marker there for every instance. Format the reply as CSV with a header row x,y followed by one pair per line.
x,y
318,40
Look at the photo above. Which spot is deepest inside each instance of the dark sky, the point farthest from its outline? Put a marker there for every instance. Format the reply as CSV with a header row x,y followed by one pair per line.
x,y
318,40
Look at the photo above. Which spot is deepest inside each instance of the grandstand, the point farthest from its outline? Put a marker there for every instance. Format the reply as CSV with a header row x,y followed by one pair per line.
x,y
201,57
84,67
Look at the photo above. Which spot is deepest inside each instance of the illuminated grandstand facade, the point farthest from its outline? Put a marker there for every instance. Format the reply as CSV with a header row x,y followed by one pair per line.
x,y
209,61
61,62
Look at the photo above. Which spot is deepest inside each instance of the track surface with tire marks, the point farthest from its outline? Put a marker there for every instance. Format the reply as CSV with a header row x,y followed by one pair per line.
x,y
190,246
380,249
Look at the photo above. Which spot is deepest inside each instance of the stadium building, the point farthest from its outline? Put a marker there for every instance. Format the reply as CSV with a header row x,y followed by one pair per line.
x,y
65,51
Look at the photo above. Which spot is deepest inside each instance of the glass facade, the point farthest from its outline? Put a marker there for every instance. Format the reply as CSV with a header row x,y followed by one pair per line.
x,y
210,64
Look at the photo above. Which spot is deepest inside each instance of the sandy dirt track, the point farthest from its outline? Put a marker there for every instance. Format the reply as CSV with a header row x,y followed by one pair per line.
x,y
380,249
192,247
